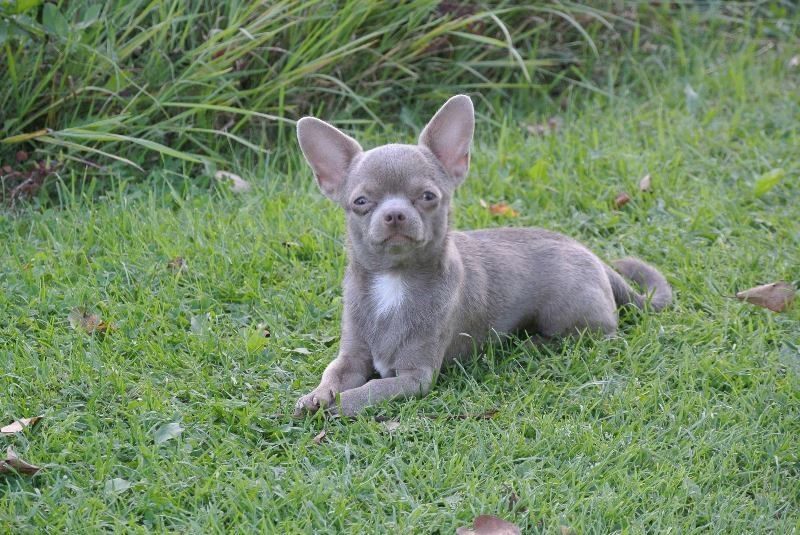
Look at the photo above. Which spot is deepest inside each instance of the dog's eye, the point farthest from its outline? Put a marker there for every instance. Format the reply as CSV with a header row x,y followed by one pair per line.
x,y
428,196
361,201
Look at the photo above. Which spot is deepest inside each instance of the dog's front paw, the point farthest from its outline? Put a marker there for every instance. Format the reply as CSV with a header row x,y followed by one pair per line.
x,y
320,398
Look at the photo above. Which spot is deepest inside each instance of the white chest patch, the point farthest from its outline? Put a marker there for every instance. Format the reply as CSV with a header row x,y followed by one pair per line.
x,y
388,293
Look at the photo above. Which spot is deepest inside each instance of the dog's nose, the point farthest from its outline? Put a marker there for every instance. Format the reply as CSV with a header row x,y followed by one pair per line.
x,y
394,217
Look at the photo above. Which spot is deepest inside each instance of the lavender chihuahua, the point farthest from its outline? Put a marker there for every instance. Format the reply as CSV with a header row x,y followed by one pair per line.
x,y
418,294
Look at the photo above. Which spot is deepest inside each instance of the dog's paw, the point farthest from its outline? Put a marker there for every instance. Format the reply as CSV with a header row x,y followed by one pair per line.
x,y
320,398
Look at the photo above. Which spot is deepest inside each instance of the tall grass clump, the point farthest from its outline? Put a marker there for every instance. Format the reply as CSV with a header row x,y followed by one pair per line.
x,y
138,81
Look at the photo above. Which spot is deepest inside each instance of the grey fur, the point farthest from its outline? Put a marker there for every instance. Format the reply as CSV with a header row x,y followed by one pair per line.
x,y
418,295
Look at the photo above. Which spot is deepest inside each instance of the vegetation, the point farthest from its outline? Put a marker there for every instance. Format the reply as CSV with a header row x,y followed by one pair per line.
x,y
205,82
134,299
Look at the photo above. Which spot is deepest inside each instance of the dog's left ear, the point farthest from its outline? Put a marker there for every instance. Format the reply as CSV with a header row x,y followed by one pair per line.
x,y
449,134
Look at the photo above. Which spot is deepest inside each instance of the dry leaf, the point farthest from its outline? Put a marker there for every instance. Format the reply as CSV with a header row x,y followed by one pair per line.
x,y
19,425
502,209
117,485
21,156
80,318
794,62
537,129
13,464
513,500
167,432
238,184
391,426
320,436
621,200
546,128
644,183
177,264
776,296
489,525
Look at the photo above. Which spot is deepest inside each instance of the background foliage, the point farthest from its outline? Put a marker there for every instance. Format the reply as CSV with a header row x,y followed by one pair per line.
x,y
205,82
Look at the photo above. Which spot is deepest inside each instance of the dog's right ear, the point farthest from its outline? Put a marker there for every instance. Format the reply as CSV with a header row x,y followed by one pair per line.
x,y
328,151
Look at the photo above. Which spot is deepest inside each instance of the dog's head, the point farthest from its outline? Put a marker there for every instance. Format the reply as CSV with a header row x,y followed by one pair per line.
x,y
396,197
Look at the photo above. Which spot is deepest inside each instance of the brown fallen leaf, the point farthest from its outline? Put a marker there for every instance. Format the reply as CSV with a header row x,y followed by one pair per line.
x,y
502,209
13,464
24,183
513,499
649,47
21,156
177,264
538,129
19,425
546,128
80,318
489,525
645,183
776,296
238,184
320,436
621,200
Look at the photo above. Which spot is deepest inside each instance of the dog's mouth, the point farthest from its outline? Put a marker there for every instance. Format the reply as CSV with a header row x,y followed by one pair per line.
x,y
398,243
397,239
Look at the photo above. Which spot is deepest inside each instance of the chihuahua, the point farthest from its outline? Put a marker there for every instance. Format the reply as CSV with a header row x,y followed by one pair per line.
x,y
418,294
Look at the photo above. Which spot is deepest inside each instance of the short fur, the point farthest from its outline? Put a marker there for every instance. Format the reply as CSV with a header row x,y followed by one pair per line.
x,y
418,295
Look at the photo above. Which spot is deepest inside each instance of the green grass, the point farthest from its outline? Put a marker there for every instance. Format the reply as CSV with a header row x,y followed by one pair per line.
x,y
198,80
688,422
204,81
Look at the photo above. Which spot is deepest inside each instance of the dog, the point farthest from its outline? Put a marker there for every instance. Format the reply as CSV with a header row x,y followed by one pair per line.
x,y
417,294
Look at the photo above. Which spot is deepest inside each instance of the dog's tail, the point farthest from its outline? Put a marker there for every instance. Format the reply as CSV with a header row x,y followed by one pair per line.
x,y
644,275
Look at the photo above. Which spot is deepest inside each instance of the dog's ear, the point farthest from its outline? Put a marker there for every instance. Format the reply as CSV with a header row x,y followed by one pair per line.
x,y
328,151
449,134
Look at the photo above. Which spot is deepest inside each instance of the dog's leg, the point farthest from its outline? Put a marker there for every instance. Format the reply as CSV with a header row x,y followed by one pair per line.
x,y
351,369
407,383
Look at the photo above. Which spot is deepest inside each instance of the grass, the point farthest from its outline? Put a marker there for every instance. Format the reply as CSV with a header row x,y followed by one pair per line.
x,y
688,422
198,80
202,82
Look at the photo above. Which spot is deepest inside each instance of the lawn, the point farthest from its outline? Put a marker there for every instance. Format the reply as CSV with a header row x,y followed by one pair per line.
x,y
687,422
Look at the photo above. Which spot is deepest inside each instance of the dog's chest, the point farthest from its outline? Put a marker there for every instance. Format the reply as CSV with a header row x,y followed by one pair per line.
x,y
396,314
388,294
386,318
